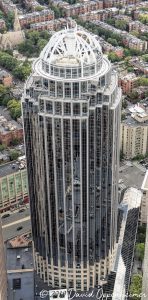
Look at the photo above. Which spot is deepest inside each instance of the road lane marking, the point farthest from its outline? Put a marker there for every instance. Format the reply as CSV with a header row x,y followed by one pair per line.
x,y
16,222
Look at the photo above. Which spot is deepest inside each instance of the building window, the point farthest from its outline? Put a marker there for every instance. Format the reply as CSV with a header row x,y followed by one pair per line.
x,y
84,109
59,89
49,107
16,283
58,108
67,90
67,108
68,73
76,90
76,109
74,73
52,88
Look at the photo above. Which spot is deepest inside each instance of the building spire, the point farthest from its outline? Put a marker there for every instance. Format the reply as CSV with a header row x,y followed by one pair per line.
x,y
16,25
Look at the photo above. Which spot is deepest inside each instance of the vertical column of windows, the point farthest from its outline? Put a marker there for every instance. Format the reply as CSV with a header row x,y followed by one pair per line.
x,y
76,188
59,187
52,190
68,188
98,180
84,145
104,178
91,186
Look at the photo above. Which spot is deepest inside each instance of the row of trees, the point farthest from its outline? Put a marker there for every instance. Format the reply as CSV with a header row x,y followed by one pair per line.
x,y
6,99
113,38
120,24
135,287
136,282
35,41
18,69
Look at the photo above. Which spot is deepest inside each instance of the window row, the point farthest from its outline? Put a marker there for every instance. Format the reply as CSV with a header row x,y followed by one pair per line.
x,y
72,90
77,72
59,108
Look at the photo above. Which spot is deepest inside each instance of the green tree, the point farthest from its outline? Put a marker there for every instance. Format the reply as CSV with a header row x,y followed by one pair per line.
x,y
14,155
22,71
133,96
136,286
1,15
10,20
112,41
140,251
41,44
122,116
110,21
121,24
143,18
141,234
5,95
124,104
15,142
113,57
130,69
39,8
121,155
142,81
2,147
14,107
33,36
135,33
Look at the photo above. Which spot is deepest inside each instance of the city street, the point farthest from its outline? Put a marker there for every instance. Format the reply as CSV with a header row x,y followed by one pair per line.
x,y
14,221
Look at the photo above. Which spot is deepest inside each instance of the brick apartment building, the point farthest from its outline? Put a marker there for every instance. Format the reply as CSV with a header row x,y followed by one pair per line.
x,y
100,15
53,24
36,17
10,130
80,8
128,83
111,3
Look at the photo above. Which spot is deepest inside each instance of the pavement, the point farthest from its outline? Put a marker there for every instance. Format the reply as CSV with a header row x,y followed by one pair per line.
x,y
132,175
11,231
15,215
8,168
16,222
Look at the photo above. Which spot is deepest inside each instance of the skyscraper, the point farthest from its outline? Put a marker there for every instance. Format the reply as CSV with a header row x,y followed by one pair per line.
x,y
71,111
3,273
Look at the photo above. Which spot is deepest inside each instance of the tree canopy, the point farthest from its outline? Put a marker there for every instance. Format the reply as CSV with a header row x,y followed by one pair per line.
x,y
35,41
140,251
14,107
18,69
136,287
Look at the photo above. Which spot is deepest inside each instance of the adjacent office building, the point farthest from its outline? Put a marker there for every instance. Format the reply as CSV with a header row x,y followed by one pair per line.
x,y
3,274
134,132
71,111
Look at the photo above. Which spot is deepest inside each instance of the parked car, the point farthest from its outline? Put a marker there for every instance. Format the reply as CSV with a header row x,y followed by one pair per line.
x,y
19,228
5,216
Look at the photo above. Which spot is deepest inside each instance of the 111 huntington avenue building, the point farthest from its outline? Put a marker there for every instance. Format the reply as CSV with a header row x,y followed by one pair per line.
x,y
71,111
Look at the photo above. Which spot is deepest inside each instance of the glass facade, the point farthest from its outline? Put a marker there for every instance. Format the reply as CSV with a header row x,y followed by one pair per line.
x,y
72,148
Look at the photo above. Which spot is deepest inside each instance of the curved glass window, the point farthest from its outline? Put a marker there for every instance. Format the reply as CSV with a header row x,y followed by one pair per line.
x,y
75,89
67,90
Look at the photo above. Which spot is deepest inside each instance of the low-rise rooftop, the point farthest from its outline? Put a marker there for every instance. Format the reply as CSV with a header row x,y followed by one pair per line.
x,y
18,257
